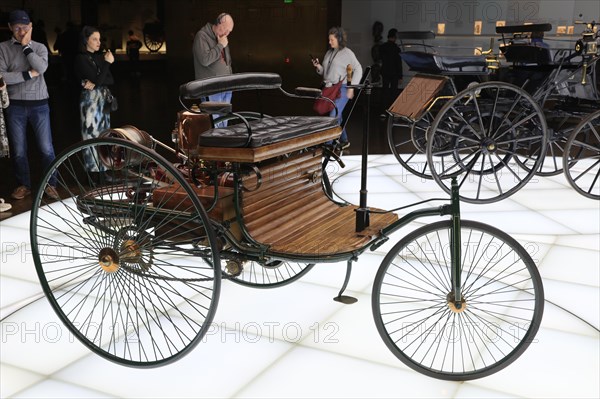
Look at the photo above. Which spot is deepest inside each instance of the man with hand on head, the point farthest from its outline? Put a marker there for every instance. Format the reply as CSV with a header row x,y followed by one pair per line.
x,y
211,54
22,64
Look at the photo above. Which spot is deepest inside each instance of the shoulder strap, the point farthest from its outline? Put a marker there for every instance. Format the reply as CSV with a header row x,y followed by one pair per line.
x,y
330,61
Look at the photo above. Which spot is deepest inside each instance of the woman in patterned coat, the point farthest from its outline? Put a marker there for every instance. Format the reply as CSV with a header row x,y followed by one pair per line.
x,y
4,150
92,68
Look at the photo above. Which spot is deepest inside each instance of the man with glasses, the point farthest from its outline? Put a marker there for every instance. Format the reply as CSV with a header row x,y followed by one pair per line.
x,y
22,64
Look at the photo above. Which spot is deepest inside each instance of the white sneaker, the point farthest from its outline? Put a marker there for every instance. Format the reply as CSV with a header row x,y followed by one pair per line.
x,y
4,206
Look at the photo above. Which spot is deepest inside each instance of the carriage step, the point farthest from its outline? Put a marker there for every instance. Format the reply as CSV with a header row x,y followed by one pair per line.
x,y
345,299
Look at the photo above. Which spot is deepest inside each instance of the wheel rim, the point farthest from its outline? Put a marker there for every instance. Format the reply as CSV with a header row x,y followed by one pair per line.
x,y
501,302
408,143
560,128
153,45
581,161
489,130
270,275
125,283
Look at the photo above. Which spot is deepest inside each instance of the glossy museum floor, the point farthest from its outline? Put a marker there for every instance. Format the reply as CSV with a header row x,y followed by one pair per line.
x,y
294,341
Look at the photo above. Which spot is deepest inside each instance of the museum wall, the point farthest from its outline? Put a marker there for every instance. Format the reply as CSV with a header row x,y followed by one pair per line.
x,y
459,17
114,18
268,35
278,36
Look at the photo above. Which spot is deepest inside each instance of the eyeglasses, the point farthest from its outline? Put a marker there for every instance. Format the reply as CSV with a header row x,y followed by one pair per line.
x,y
23,28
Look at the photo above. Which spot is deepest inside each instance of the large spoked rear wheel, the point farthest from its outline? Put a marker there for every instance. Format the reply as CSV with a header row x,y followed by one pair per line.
x,y
415,313
127,260
581,162
272,274
482,137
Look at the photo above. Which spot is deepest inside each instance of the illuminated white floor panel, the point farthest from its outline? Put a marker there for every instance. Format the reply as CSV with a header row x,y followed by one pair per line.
x,y
294,341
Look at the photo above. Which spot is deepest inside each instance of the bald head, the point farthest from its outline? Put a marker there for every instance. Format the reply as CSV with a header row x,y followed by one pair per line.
x,y
223,25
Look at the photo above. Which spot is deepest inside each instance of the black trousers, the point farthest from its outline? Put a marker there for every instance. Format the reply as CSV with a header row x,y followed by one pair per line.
x,y
389,90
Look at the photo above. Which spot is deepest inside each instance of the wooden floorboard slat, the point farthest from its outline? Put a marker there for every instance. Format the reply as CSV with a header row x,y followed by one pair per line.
x,y
290,213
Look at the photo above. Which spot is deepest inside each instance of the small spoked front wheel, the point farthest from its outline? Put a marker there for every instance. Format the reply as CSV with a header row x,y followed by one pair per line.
x,y
581,161
126,256
500,309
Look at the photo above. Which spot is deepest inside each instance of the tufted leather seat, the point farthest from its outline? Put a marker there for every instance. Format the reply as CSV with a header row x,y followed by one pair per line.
x,y
448,65
420,61
471,63
265,131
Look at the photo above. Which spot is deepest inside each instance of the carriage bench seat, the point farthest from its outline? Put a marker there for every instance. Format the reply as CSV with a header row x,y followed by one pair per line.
x,y
267,137
280,141
472,64
527,54
266,131
420,61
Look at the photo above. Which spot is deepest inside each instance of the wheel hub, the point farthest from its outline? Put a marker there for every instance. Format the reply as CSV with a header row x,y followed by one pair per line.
x,y
233,268
488,146
456,307
108,260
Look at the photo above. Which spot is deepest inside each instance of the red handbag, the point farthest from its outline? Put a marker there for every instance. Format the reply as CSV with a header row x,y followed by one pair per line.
x,y
324,107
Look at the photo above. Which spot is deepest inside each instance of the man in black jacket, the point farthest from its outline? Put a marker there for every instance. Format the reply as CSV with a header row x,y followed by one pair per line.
x,y
391,69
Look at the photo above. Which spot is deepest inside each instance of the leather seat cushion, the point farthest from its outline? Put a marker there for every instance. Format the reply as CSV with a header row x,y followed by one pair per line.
x,y
437,64
420,61
472,63
265,131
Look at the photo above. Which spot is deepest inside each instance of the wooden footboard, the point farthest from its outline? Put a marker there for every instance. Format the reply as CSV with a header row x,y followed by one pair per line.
x,y
291,214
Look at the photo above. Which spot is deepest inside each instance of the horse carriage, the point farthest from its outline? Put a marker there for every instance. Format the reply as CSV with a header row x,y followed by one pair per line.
x,y
493,125
133,262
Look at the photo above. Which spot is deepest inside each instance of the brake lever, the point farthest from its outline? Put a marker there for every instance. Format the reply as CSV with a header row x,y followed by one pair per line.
x,y
329,152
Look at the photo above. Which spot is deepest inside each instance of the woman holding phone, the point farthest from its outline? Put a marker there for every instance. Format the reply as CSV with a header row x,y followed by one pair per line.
x,y
334,69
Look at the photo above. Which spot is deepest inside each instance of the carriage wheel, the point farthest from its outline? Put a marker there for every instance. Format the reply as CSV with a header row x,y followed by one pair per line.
x,y
408,143
414,310
264,275
153,43
581,162
126,261
482,136
559,130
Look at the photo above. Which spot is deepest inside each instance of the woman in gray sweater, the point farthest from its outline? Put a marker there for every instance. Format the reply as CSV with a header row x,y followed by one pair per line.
x,y
334,69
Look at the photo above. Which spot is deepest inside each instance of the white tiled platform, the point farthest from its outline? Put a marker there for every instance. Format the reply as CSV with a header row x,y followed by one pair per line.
x,y
295,341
